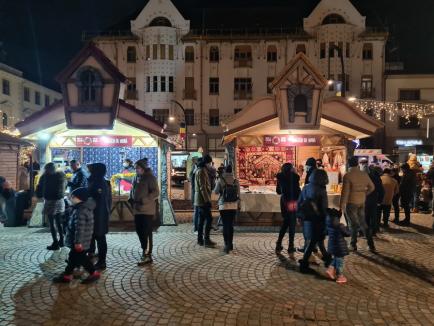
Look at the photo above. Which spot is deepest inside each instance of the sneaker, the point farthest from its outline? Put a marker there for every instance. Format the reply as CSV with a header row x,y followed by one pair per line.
x,y
54,246
100,266
145,261
300,249
91,278
405,223
341,279
63,279
331,272
291,250
226,250
200,242
373,249
209,244
61,244
279,248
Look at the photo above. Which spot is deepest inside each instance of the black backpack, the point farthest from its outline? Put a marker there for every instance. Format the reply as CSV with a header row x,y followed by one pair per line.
x,y
230,192
308,209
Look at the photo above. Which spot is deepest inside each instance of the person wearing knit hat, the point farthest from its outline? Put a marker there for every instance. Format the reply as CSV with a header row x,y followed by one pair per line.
x,y
81,193
143,197
310,167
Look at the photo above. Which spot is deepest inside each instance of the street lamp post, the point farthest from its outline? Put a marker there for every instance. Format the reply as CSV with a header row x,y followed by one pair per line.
x,y
341,55
185,123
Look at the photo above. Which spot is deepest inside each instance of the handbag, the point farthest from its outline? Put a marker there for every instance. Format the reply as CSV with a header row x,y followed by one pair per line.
x,y
291,206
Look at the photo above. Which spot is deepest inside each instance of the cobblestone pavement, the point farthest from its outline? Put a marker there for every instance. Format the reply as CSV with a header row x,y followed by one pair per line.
x,y
191,285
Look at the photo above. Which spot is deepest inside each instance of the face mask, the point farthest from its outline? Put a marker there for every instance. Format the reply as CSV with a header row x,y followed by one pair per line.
x,y
209,165
126,165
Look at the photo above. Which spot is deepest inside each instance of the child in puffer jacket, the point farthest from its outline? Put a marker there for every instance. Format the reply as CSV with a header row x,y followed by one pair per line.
x,y
337,246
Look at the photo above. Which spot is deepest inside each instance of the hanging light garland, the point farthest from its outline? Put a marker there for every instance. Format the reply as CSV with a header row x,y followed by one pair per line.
x,y
406,110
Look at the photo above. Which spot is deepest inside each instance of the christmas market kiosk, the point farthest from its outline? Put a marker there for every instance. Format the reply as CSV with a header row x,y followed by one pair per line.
x,y
293,124
94,124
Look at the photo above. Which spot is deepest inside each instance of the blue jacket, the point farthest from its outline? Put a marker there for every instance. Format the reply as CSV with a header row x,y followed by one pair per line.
x,y
79,180
337,246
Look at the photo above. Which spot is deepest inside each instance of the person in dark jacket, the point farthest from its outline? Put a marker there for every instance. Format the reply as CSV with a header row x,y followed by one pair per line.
x,y
311,166
374,199
100,191
430,176
314,196
337,246
79,177
196,162
407,190
396,198
288,187
51,188
78,237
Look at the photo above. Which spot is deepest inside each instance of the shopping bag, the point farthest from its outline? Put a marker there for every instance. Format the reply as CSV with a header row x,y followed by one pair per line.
x,y
37,219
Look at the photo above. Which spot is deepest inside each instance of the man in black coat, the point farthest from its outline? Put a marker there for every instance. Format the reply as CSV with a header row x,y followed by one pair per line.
x,y
79,177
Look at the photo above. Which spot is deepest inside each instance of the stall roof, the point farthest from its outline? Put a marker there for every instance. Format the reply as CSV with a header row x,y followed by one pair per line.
x,y
11,140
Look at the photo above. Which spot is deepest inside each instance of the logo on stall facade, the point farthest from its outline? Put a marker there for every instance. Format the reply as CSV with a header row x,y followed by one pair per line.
x,y
295,140
104,141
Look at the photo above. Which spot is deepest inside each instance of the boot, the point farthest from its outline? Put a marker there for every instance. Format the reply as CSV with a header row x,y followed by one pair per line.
x,y
54,246
100,265
279,248
327,260
304,267
209,244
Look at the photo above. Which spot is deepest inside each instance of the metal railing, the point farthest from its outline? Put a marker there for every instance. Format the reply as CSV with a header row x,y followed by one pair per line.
x,y
367,93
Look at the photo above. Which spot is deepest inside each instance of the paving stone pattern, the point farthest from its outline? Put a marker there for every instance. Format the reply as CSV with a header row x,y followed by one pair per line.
x,y
191,285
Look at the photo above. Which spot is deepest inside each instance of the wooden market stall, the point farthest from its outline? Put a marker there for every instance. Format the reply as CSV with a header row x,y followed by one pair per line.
x,y
292,125
94,124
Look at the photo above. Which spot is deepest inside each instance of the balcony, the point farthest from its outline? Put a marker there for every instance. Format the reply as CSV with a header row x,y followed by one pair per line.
x,y
190,94
131,95
243,63
242,95
367,93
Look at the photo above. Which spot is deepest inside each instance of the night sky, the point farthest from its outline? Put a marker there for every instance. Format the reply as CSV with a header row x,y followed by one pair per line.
x,y
39,37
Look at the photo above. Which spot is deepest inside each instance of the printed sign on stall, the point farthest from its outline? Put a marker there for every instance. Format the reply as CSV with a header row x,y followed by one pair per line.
x,y
293,140
104,141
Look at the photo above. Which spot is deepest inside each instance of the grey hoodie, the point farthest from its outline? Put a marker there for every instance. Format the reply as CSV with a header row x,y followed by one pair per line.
x,y
220,186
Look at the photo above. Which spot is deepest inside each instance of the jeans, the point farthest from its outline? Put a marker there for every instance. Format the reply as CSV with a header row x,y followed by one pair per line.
x,y
289,222
356,216
101,243
338,264
395,203
143,225
56,226
196,218
228,217
385,209
77,259
312,239
205,219
371,216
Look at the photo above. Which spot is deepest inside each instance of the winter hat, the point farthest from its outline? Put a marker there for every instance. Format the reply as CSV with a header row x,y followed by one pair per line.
x,y
143,163
353,161
81,193
311,162
207,159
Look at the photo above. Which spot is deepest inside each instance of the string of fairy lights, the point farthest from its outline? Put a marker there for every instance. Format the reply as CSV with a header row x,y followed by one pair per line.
x,y
393,110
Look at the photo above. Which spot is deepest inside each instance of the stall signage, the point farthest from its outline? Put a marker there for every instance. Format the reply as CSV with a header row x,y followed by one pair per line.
x,y
103,141
293,140
367,152
408,142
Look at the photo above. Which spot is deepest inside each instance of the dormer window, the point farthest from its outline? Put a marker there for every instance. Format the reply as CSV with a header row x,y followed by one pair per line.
x,y
90,85
333,19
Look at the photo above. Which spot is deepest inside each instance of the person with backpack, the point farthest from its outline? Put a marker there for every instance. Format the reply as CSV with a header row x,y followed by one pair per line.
x,y
313,204
228,189
288,187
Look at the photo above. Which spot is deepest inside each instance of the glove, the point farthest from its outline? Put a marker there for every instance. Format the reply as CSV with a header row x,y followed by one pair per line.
x,y
78,247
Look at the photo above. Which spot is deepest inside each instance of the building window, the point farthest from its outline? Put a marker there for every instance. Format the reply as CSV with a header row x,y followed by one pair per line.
x,y
347,50
213,86
409,94
237,110
155,51
331,49
189,91
163,83
367,51
300,48
214,117
155,84
322,51
214,54
148,84
242,88
171,84
131,54
5,120
347,81
243,56
6,87
37,98
411,122
269,81
366,90
333,19
189,54
132,89
26,94
170,52
47,100
160,21
148,52
162,51
215,147
189,117
161,115
272,53
90,87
